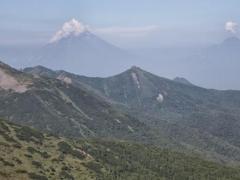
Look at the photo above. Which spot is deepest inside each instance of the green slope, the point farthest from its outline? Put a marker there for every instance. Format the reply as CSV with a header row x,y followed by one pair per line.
x,y
202,120
28,154
58,107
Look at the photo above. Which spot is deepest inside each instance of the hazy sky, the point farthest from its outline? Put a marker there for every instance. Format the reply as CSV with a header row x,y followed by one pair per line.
x,y
127,23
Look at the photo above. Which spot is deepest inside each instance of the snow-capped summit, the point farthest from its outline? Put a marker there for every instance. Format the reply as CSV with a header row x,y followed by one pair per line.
x,y
72,27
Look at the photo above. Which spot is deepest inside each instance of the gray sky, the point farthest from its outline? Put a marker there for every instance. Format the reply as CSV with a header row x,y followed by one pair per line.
x,y
132,24
146,23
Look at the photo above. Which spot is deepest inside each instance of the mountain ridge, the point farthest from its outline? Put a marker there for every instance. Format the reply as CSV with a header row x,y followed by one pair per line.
x,y
57,106
199,118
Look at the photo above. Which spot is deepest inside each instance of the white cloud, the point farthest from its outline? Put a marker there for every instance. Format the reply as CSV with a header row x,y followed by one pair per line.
x,y
231,26
72,27
127,31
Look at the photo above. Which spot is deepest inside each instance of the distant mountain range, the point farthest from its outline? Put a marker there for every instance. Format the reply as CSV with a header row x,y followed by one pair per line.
x,y
134,105
57,106
85,53
217,64
200,119
78,53
213,66
57,124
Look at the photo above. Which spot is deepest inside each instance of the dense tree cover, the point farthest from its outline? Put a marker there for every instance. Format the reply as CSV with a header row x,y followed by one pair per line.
x,y
177,114
126,160
28,154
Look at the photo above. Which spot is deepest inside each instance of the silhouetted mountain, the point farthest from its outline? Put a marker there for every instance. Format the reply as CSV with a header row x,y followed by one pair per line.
x,y
214,66
81,52
232,42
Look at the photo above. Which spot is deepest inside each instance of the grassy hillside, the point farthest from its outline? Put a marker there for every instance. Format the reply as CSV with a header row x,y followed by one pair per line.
x,y
28,154
202,120
56,106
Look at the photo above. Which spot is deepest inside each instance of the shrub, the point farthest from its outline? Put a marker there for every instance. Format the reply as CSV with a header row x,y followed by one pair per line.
x,y
96,167
33,150
64,147
6,163
28,155
67,149
65,175
28,134
37,177
37,164
7,137
21,171
78,154
17,160
4,126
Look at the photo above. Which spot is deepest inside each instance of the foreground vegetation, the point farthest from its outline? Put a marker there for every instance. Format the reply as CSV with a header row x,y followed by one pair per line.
x,y
28,154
